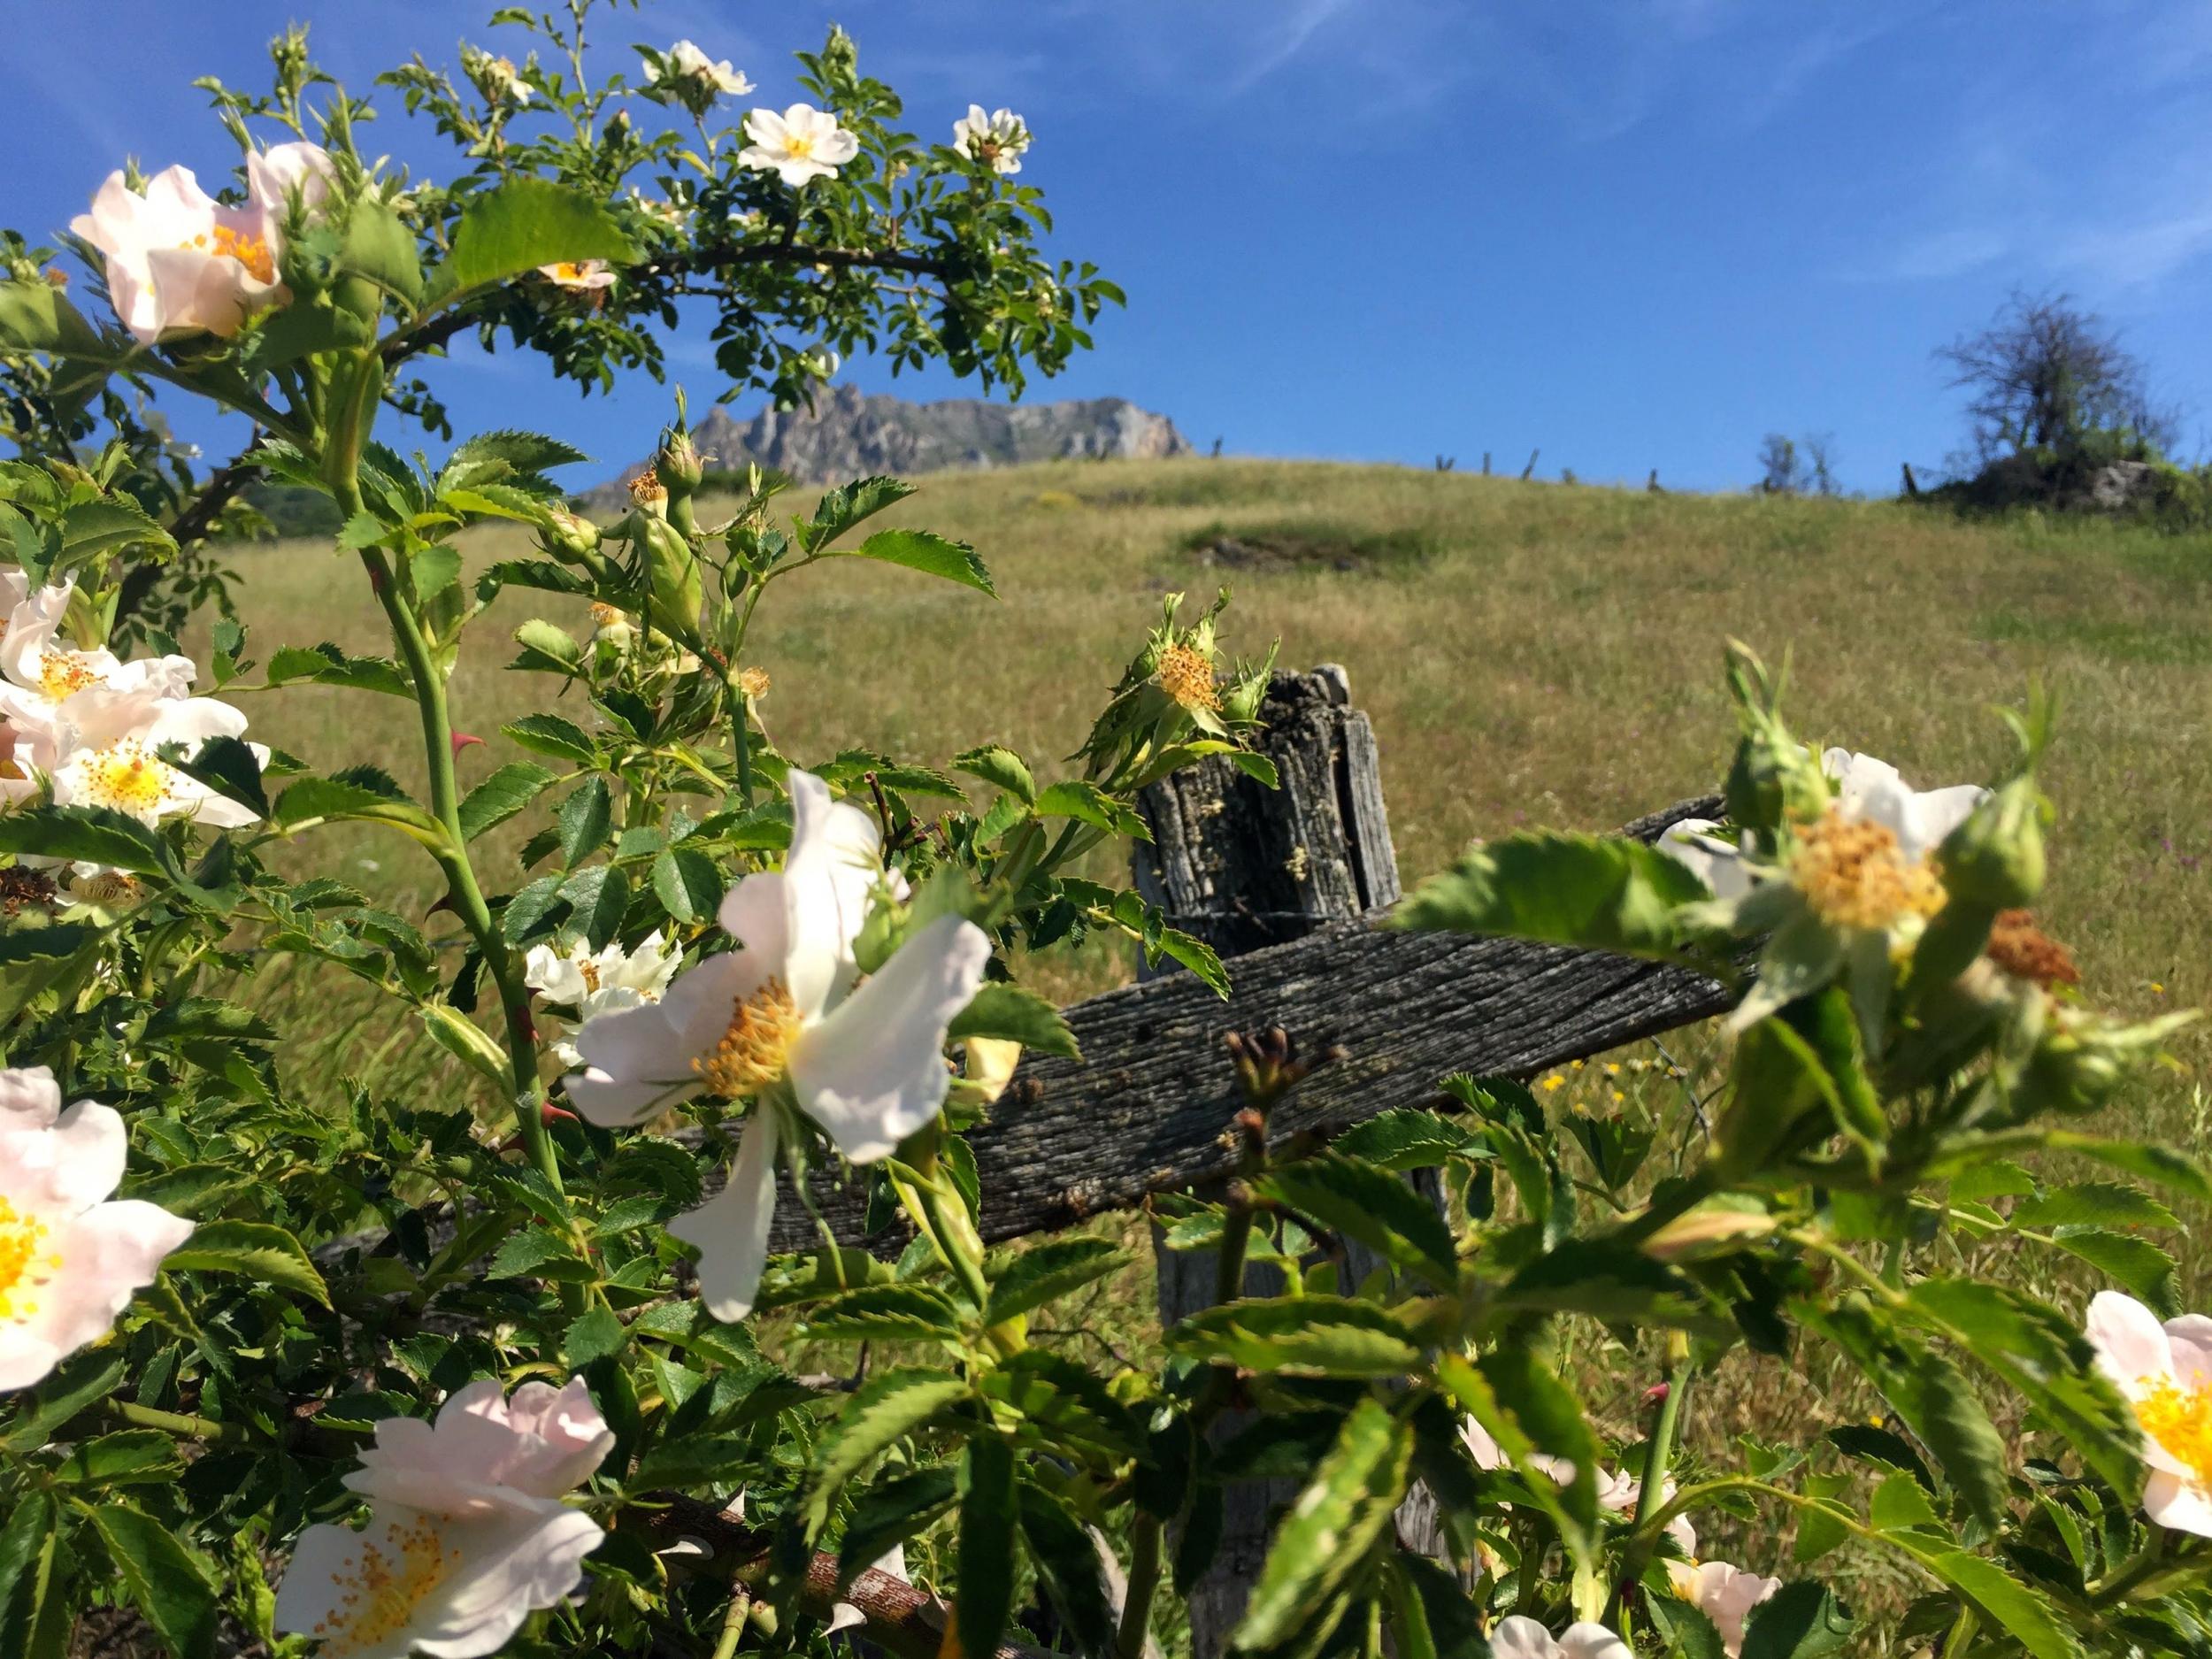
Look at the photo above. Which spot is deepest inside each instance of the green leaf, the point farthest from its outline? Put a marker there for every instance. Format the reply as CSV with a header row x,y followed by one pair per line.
x,y
35,317
503,794
1029,1279
1799,1621
164,1579
526,223
1301,1336
885,1516
380,247
877,1312
2094,1204
932,555
1069,1567
1372,1206
1329,1528
1088,803
694,1461
996,764
81,1381
885,1409
585,820
34,1616
91,529
1017,1015
845,506
687,884
2148,1272
598,898
226,765
434,569
594,1336
2026,1613
94,834
1409,1138
326,665
1598,893
255,1249
550,734
126,1458
525,452
985,1598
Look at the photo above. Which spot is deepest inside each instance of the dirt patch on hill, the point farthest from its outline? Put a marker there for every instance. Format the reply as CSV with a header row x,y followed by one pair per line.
x,y
1308,546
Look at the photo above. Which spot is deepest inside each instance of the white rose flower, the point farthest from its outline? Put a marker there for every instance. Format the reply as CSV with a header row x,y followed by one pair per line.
x,y
38,674
584,276
802,143
497,78
1718,862
1869,791
485,1453
2164,1373
1520,1637
69,1257
598,982
413,1582
690,63
108,744
177,260
996,140
786,1016
275,175
1618,1491
1724,1593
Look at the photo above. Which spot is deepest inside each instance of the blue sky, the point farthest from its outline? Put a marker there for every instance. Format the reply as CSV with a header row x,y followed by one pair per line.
x,y
1633,232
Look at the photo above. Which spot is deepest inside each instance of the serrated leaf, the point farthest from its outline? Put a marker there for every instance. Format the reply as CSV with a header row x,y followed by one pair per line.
x,y
92,835
2148,1272
1329,1528
885,1515
525,223
165,1580
985,1599
1372,1206
932,555
895,1311
585,820
255,1249
996,764
2094,1204
35,1618
687,883
550,734
1015,1014
1592,892
1027,1280
1068,1566
1301,1336
596,1334
1088,803
129,1457
885,1410
503,794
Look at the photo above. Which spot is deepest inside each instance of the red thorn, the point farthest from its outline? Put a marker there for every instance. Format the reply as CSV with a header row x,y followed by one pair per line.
x,y
1654,1394
462,739
553,1114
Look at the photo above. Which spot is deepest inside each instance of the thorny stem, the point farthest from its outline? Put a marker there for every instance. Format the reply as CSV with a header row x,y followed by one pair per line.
x,y
182,1424
1658,1454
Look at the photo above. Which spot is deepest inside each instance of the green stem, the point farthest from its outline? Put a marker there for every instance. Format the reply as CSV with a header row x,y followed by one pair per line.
x,y
182,1424
1144,1584
1650,1496
733,1624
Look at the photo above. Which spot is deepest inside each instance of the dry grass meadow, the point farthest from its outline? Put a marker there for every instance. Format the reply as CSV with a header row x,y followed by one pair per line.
x,y
1531,654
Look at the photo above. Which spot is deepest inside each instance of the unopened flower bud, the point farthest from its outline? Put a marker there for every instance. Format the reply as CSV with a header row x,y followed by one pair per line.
x,y
678,463
569,536
677,586
1996,856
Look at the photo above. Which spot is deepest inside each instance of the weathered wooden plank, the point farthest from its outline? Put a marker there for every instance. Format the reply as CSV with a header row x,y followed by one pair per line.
x,y
1144,1110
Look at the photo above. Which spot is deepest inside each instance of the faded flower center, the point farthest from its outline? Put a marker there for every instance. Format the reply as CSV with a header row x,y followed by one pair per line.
x,y
61,672
1188,677
607,615
646,488
105,887
126,775
1854,874
753,681
754,1049
26,1262
246,248
2026,952
378,1594
2180,1420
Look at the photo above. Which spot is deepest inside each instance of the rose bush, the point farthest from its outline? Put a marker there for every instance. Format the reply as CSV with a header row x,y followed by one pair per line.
x,y
514,1371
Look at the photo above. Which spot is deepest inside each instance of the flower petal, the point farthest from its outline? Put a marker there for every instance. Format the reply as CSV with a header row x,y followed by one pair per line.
x,y
731,1229
2132,1347
873,1070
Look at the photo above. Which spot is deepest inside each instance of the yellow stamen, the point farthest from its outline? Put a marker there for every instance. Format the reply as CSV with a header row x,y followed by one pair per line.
x,y
590,971
798,144
752,1052
646,488
61,672
1854,874
1187,676
2181,1422
127,777
26,1262
753,681
378,1594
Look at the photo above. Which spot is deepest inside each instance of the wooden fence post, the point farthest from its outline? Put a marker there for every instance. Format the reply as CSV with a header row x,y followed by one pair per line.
x,y
1244,867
